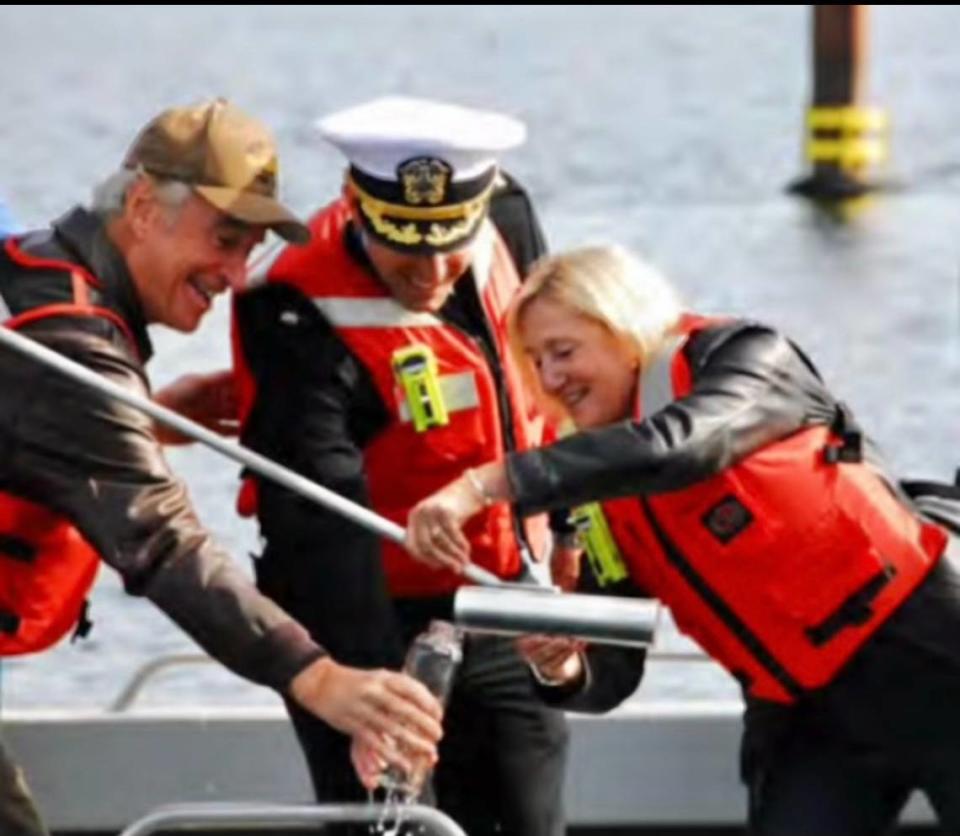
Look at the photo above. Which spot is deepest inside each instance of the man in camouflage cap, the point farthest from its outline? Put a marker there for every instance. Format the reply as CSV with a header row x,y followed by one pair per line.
x,y
166,234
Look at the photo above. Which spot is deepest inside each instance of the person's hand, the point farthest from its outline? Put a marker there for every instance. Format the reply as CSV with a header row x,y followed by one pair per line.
x,y
395,769
391,717
435,525
368,763
556,659
565,560
208,399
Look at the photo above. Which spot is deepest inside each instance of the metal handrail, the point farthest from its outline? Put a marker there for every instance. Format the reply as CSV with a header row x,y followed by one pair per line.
x,y
208,816
147,671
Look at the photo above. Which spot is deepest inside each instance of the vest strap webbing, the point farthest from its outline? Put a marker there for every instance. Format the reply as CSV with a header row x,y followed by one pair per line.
x,y
855,611
84,623
845,426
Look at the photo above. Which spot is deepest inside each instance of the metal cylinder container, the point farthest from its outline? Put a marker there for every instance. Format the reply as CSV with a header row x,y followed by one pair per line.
x,y
601,619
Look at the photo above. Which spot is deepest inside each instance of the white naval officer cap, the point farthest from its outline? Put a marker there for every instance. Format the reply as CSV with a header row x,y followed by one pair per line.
x,y
421,171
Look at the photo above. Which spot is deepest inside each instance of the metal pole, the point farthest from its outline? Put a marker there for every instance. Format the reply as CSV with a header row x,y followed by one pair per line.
x,y
257,463
213,816
629,622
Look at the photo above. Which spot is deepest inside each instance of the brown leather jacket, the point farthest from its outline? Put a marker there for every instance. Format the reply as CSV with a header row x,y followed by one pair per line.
x,y
98,462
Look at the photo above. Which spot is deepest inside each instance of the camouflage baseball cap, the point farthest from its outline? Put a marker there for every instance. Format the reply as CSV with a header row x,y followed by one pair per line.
x,y
228,157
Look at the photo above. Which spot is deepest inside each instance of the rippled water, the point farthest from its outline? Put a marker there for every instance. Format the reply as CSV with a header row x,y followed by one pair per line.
x,y
670,129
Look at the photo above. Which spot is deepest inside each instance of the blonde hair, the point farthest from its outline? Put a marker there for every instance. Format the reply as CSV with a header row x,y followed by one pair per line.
x,y
607,284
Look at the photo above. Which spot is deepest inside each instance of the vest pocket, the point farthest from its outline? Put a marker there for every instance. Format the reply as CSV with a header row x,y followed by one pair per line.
x,y
832,571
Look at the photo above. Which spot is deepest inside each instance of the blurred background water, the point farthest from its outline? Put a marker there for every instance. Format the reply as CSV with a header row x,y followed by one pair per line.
x,y
671,129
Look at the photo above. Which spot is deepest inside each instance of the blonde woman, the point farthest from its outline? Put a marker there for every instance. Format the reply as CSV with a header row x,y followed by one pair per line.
x,y
736,489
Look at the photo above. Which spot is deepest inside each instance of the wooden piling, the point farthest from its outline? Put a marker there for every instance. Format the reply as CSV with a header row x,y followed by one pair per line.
x,y
845,139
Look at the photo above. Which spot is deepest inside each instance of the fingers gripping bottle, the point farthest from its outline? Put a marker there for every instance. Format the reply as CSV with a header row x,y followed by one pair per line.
x,y
432,658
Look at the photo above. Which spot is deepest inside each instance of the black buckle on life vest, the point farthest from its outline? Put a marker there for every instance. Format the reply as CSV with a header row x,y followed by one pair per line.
x,y
9,622
845,427
855,611
84,623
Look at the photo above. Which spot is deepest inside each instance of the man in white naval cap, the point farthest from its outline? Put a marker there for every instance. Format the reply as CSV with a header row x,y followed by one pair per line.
x,y
374,360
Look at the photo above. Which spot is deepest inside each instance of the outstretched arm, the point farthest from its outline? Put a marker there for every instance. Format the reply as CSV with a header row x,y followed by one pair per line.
x,y
98,463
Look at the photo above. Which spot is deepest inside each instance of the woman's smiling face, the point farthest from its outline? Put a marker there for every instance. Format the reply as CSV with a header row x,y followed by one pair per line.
x,y
590,371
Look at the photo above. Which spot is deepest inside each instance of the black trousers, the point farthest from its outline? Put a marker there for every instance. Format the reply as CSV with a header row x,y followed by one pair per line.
x,y
844,761
503,755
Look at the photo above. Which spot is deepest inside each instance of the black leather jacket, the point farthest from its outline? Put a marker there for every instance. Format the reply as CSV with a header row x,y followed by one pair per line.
x,y
98,462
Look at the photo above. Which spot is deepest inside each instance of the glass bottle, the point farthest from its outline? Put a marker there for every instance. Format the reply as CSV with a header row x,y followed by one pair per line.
x,y
433,658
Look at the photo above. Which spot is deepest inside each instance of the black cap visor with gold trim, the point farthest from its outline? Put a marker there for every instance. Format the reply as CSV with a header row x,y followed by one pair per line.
x,y
422,211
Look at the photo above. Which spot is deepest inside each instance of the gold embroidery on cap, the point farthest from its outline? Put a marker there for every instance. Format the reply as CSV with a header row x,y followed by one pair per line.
x,y
441,236
408,235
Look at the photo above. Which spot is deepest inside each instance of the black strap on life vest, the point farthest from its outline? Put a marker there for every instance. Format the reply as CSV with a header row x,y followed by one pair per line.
x,y
84,623
845,427
855,611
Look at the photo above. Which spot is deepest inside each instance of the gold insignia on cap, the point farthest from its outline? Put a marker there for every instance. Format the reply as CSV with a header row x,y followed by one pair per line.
x,y
425,180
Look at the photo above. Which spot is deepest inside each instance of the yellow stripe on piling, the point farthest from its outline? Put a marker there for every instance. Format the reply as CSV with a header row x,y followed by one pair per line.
x,y
850,137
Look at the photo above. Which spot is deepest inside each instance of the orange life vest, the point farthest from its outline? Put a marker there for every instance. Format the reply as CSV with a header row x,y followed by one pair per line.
x,y
782,565
46,566
403,465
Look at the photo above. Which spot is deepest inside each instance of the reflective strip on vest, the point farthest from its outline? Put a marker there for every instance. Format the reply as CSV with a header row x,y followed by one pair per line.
x,y
263,261
656,381
353,312
459,392
4,310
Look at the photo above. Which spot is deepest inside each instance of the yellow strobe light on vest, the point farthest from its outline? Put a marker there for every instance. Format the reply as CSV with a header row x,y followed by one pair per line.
x,y
597,540
415,368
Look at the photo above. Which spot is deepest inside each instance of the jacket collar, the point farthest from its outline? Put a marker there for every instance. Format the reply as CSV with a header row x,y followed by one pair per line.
x,y
84,235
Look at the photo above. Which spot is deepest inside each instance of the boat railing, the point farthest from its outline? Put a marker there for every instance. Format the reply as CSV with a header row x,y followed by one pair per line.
x,y
212,816
147,671
141,677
